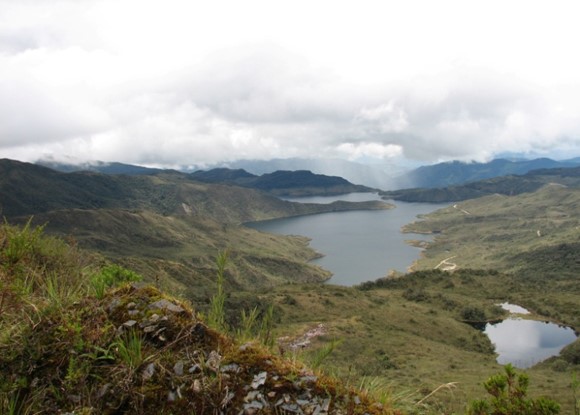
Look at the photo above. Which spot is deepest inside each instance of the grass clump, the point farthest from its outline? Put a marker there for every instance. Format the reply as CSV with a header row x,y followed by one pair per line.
x,y
216,316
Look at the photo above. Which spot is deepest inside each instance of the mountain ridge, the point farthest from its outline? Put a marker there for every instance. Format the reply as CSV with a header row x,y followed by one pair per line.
x,y
456,172
505,185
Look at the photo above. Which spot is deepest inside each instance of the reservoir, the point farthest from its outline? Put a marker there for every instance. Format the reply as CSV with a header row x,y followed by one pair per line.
x,y
358,246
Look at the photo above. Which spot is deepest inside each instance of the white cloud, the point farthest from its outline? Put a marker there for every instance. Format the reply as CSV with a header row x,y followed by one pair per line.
x,y
181,82
366,151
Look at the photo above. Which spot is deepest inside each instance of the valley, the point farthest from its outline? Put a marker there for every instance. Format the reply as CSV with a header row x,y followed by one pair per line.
x,y
405,336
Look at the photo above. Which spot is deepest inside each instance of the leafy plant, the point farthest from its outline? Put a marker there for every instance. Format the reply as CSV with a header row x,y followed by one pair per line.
x,y
508,397
20,242
112,275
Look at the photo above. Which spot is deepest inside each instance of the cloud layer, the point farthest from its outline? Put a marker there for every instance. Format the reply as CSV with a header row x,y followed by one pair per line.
x,y
177,84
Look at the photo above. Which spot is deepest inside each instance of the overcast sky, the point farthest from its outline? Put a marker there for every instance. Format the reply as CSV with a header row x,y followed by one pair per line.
x,y
191,82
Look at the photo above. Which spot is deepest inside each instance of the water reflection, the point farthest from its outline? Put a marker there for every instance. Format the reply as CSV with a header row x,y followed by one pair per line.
x,y
513,308
523,343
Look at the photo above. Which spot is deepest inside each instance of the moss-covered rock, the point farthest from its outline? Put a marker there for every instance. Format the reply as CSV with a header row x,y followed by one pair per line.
x,y
140,351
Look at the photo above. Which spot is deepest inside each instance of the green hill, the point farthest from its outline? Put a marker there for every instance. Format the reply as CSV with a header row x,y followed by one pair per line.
x,y
165,225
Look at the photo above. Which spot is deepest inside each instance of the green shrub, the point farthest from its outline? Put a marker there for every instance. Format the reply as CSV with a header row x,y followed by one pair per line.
x,y
571,353
508,397
473,313
110,276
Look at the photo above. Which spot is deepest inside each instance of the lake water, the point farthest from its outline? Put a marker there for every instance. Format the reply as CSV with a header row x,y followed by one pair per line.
x,y
358,246
523,343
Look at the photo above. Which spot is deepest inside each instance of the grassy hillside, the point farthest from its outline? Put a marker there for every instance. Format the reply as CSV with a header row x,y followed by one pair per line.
x,y
28,189
165,225
499,231
408,336
73,342
402,339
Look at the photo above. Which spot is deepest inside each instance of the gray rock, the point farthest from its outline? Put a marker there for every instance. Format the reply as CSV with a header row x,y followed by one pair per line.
x,y
115,302
231,368
291,408
213,361
149,329
149,371
195,368
178,368
164,304
259,380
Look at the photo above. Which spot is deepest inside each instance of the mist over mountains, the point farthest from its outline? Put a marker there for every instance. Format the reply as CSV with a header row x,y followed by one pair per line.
x,y
384,176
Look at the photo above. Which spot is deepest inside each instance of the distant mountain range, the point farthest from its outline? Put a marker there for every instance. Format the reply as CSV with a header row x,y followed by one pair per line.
x,y
385,177
456,172
278,183
379,176
282,183
509,185
374,176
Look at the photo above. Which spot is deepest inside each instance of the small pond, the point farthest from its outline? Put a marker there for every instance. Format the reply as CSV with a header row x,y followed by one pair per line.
x,y
523,342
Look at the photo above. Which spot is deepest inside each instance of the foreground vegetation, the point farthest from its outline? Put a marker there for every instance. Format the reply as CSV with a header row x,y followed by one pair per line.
x,y
83,336
78,332
72,342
